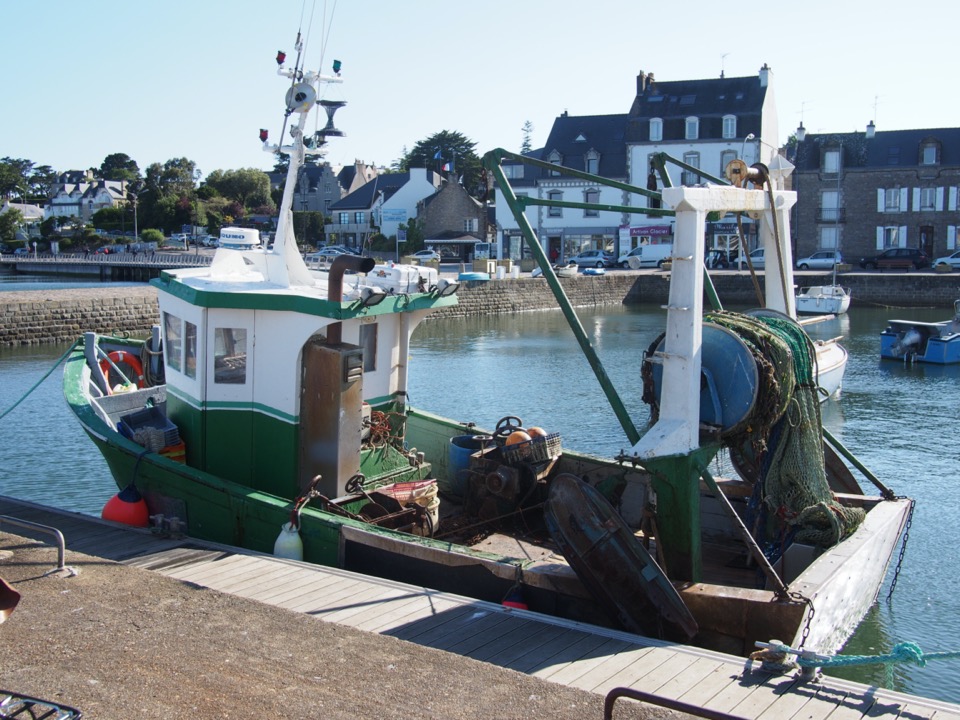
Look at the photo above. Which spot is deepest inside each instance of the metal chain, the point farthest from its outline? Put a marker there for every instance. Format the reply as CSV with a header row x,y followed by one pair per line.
x,y
903,548
800,597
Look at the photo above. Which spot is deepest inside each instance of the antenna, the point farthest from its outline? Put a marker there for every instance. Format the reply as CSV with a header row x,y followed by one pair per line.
x,y
876,102
722,63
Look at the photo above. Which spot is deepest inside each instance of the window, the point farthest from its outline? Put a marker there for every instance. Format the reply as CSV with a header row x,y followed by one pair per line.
x,y
190,350
513,172
592,164
829,237
726,157
656,129
554,158
470,224
928,198
893,155
555,196
831,162
687,177
729,126
230,356
344,218
591,196
829,206
173,340
692,128
891,237
928,155
891,200
359,218
368,341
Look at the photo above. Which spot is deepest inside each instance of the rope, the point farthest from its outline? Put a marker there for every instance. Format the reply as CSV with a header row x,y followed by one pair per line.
x,y
905,652
37,384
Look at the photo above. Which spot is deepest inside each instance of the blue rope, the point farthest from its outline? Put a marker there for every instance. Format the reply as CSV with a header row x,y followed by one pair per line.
x,y
905,652
37,384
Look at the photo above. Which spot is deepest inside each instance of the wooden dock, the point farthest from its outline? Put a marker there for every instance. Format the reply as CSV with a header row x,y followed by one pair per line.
x,y
560,651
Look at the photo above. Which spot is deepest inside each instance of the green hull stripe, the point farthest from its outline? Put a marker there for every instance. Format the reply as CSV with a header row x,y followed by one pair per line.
x,y
232,406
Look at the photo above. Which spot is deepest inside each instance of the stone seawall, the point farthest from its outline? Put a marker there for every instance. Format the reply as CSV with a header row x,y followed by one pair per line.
x,y
49,316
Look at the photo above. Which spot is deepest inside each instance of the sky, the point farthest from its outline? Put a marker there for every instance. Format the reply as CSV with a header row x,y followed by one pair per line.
x,y
197,79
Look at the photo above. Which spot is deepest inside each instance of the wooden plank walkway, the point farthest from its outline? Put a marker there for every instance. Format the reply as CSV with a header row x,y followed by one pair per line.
x,y
584,656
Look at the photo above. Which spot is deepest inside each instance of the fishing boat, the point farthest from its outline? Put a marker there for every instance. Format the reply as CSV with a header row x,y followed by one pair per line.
x,y
926,342
268,409
823,300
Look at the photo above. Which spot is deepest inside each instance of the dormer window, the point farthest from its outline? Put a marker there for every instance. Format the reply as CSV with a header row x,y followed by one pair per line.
x,y
554,157
656,129
929,154
729,127
692,128
592,164
830,162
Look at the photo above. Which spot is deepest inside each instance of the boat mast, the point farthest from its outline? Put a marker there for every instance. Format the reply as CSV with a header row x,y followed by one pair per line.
x,y
284,264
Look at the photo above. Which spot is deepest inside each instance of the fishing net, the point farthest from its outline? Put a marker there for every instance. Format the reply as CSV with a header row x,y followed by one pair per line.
x,y
785,430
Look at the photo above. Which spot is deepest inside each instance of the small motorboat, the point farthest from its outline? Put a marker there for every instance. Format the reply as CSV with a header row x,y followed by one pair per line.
x,y
926,342
823,300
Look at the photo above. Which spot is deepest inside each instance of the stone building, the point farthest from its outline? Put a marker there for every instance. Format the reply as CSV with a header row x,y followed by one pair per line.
x,y
453,220
867,191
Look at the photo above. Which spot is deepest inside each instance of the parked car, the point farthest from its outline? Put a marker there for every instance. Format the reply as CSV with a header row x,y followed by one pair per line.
x,y
624,260
106,250
952,260
756,257
426,255
592,258
21,251
822,260
893,258
325,253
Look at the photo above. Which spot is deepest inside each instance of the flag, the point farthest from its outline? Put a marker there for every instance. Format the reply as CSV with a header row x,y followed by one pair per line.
x,y
438,155
447,167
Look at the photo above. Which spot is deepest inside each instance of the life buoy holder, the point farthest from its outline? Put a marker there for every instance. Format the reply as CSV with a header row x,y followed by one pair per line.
x,y
128,359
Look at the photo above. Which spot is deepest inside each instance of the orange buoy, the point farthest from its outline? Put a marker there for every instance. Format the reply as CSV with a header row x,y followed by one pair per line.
x,y
127,507
537,432
517,436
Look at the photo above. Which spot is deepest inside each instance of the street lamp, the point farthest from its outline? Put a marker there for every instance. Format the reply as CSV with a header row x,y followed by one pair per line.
x,y
743,145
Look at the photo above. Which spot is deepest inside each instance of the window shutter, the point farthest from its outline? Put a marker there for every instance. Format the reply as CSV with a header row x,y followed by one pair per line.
x,y
951,237
902,236
903,200
916,199
880,236
952,199
880,204
939,205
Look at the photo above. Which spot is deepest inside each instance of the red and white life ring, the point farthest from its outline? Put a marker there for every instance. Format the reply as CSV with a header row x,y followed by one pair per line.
x,y
128,359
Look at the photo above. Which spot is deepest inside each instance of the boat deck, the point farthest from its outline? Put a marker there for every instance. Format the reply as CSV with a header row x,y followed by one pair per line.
x,y
560,651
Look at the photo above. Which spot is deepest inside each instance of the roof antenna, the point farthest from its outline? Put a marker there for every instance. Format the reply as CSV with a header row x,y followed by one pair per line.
x,y
722,61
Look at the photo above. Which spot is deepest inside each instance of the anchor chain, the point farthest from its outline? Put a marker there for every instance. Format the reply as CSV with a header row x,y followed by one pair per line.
x,y
903,547
800,597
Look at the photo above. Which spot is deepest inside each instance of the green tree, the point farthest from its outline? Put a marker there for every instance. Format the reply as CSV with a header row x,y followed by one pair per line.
x,y
10,221
152,235
15,177
449,147
119,167
43,181
248,186
527,130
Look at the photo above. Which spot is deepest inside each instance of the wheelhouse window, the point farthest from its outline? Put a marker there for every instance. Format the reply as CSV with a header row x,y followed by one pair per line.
x,y
180,341
729,127
656,130
368,341
230,356
555,196
692,126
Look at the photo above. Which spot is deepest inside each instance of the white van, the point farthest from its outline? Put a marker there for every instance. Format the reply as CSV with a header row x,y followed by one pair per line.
x,y
649,256
481,251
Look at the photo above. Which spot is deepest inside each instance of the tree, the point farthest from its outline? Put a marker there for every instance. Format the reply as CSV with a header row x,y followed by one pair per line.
x,y
15,177
9,223
175,177
448,147
120,167
248,186
526,145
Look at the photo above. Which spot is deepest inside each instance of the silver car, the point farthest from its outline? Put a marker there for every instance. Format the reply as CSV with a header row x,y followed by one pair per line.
x,y
591,258
823,260
952,260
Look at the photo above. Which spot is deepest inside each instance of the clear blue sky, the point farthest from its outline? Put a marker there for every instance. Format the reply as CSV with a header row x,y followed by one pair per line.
x,y
159,80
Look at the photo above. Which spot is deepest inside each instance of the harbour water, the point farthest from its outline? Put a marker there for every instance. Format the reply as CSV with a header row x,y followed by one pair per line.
x,y
900,421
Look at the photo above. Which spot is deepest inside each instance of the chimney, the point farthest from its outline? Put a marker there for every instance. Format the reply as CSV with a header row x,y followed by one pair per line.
x,y
801,132
764,75
641,83
871,130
